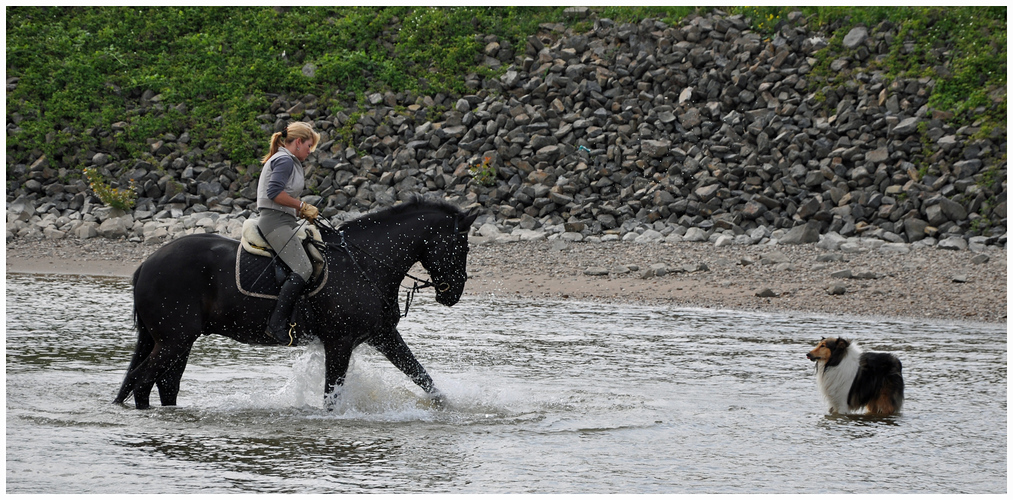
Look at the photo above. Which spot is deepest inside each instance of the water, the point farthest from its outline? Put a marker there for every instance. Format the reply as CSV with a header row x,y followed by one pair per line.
x,y
556,397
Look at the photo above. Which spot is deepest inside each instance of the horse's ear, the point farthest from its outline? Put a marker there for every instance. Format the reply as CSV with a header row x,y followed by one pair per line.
x,y
469,219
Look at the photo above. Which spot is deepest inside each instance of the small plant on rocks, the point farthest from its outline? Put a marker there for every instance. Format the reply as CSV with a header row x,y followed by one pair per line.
x,y
483,173
122,199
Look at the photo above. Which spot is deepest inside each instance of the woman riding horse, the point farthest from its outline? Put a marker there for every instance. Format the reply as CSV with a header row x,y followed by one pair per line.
x,y
281,182
188,289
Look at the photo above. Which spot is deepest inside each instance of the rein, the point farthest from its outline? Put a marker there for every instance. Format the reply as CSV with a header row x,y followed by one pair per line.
x,y
346,244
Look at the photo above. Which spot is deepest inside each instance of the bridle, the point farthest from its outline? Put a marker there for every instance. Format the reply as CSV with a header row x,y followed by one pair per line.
x,y
346,245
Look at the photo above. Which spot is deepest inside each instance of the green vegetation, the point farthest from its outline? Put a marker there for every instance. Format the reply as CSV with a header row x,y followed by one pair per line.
x,y
82,69
122,199
963,49
483,173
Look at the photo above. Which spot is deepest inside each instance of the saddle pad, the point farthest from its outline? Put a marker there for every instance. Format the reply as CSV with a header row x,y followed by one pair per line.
x,y
255,276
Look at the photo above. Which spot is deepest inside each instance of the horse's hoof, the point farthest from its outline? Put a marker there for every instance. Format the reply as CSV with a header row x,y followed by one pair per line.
x,y
438,400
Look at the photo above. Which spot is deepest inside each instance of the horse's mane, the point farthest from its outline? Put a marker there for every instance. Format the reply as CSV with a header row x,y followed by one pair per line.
x,y
415,203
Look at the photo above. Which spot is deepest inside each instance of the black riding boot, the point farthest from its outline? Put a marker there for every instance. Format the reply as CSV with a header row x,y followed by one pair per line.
x,y
279,326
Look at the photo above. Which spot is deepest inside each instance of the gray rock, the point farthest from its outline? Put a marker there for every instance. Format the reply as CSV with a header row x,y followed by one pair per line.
x,y
878,155
979,259
489,230
87,230
104,213
953,243
898,248
773,258
695,234
655,149
659,269
766,293
914,229
596,271
620,269
952,210
686,95
100,159
842,274
691,118
21,209
699,267
113,228
851,247
856,37
160,234
907,126
935,215
807,233
559,245
831,241
510,79
837,289
758,234
649,236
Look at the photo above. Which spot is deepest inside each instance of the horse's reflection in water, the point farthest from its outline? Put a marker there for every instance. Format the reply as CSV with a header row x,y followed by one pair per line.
x,y
188,288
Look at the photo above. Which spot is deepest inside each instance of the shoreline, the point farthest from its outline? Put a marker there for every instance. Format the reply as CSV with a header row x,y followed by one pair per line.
x,y
926,283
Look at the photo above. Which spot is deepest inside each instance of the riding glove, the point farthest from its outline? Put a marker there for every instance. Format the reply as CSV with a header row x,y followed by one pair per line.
x,y
308,212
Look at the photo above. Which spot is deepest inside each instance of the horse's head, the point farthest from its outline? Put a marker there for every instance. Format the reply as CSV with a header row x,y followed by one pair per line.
x,y
446,256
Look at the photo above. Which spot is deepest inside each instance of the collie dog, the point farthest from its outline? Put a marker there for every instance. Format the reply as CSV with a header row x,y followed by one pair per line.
x,y
850,379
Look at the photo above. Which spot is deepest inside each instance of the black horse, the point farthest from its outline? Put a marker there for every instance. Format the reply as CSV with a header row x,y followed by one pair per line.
x,y
188,288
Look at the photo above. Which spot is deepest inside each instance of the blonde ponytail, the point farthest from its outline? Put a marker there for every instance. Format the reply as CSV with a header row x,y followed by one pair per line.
x,y
293,131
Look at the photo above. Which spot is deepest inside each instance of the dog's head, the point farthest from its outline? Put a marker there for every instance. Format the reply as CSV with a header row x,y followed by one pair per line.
x,y
827,349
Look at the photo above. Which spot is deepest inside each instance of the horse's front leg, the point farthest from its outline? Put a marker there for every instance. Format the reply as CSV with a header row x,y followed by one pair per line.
x,y
390,343
336,357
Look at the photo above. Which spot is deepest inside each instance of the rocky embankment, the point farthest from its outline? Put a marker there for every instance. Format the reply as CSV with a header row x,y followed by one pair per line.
x,y
647,132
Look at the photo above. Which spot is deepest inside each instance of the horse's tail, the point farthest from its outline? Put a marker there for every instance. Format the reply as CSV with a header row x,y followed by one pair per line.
x,y
145,343
133,283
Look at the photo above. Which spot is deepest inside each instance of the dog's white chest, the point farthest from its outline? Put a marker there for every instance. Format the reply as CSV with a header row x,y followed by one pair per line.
x,y
835,382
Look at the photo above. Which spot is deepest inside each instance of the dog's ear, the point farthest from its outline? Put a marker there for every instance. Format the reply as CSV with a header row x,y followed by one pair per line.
x,y
842,343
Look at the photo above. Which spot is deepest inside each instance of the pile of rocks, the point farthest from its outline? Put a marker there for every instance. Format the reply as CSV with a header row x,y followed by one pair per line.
x,y
704,131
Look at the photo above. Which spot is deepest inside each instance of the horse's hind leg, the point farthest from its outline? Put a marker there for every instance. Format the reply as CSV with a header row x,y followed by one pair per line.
x,y
145,344
164,365
168,383
141,381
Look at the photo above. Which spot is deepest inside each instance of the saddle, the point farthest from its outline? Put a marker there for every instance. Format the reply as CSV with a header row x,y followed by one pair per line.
x,y
254,242
260,274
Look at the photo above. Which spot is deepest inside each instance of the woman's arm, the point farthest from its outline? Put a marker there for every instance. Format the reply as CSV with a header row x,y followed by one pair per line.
x,y
284,199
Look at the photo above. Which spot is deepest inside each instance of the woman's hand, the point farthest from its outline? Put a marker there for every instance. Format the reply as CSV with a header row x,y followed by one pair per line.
x,y
302,209
308,212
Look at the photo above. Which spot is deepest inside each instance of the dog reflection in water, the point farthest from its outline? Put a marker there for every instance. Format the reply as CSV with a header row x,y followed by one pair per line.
x,y
850,379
